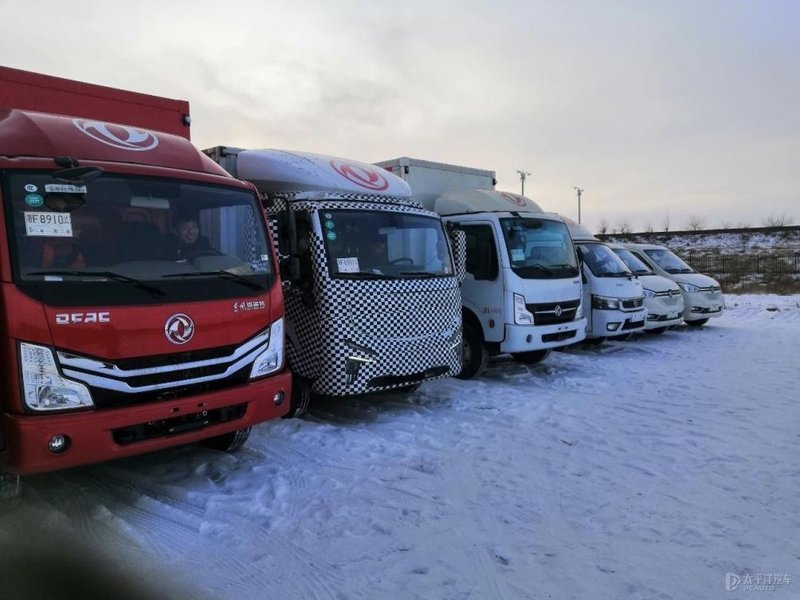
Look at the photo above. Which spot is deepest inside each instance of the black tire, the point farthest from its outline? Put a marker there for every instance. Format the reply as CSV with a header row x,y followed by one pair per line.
x,y
407,389
474,356
595,341
657,330
10,491
533,357
228,442
697,322
301,398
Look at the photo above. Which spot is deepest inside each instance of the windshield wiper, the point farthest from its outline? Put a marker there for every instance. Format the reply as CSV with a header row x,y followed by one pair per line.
x,y
613,274
367,275
539,266
156,292
225,275
421,274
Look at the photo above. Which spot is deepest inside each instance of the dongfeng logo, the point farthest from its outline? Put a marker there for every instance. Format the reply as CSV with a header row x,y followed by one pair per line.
x,y
361,176
123,137
179,328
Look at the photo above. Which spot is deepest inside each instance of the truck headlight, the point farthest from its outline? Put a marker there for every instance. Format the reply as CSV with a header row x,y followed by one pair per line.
x,y
43,387
271,359
649,293
521,314
689,288
605,303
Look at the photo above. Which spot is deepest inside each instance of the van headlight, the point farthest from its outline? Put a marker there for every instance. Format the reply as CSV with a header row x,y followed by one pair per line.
x,y
579,310
689,288
43,387
271,359
521,314
605,303
649,293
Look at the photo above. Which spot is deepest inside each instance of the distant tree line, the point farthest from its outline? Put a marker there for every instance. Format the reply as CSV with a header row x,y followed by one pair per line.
x,y
694,223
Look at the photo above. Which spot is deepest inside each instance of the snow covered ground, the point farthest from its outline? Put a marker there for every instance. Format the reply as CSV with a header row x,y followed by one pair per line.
x,y
646,469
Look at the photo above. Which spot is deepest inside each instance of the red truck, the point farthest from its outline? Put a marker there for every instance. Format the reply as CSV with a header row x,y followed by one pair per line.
x,y
140,304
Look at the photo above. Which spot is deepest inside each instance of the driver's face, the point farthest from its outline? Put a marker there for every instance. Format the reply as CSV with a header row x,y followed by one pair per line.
x,y
188,231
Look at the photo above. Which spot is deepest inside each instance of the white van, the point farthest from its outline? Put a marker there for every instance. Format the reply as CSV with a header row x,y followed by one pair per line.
x,y
702,295
662,296
614,294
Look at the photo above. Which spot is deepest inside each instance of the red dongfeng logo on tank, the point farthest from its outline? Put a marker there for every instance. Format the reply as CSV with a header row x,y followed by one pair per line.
x,y
179,328
513,198
123,137
362,176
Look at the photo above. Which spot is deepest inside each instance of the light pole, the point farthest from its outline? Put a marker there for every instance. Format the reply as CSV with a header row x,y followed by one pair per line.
x,y
522,176
580,191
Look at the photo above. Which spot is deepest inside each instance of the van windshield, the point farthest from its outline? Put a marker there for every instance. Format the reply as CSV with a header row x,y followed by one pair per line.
x,y
125,240
602,261
539,248
369,244
668,261
636,266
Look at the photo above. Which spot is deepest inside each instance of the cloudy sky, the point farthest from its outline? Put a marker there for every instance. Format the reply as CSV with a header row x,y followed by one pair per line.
x,y
661,110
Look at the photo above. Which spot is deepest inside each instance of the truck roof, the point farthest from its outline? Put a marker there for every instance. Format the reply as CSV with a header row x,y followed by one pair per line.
x,y
405,161
462,201
58,96
276,171
578,232
34,134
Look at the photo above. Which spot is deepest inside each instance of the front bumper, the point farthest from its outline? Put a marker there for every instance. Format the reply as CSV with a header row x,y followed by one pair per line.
x,y
663,312
105,434
528,338
702,305
612,323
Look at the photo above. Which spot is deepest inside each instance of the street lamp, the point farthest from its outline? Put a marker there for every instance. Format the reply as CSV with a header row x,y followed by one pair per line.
x,y
580,191
522,176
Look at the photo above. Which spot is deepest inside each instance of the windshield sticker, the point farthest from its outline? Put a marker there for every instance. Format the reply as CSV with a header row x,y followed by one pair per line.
x,y
48,224
147,202
348,265
331,235
31,188
330,224
34,200
63,188
328,216
517,254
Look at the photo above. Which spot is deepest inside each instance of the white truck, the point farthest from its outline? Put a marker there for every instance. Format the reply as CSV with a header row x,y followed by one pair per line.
x,y
702,295
614,296
522,290
370,284
662,296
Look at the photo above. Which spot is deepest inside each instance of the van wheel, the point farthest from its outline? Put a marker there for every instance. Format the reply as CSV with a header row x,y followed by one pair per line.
x,y
697,323
595,341
474,356
657,330
531,358
301,398
10,491
228,442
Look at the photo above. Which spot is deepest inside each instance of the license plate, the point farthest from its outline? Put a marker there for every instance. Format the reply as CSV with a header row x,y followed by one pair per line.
x,y
637,318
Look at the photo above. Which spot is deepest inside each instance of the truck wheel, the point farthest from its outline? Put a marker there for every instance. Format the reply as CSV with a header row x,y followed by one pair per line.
x,y
301,398
697,323
10,490
407,389
474,356
228,442
531,358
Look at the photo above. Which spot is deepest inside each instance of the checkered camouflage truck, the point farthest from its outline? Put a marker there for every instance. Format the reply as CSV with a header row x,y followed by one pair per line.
x,y
370,278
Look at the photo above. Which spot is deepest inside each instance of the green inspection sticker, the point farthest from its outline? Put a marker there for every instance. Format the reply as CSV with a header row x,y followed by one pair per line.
x,y
330,224
34,200
331,235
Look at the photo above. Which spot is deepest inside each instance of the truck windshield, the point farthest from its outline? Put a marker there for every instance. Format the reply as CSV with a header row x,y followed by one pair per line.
x,y
636,266
384,245
668,261
539,248
602,261
129,240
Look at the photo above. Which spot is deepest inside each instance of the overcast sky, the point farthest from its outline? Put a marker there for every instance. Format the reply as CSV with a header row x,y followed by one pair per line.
x,y
657,109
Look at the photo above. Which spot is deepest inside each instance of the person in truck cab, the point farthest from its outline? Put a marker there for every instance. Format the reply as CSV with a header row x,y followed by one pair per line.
x,y
188,241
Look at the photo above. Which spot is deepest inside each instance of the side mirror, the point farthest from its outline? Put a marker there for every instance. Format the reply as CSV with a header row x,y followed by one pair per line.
x,y
290,268
458,242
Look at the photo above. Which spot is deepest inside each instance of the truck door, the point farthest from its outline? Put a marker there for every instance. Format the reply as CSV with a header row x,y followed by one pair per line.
x,y
482,290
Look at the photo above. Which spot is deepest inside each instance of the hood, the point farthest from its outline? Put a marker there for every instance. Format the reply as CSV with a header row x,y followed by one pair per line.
x,y
615,287
697,279
657,283
544,290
